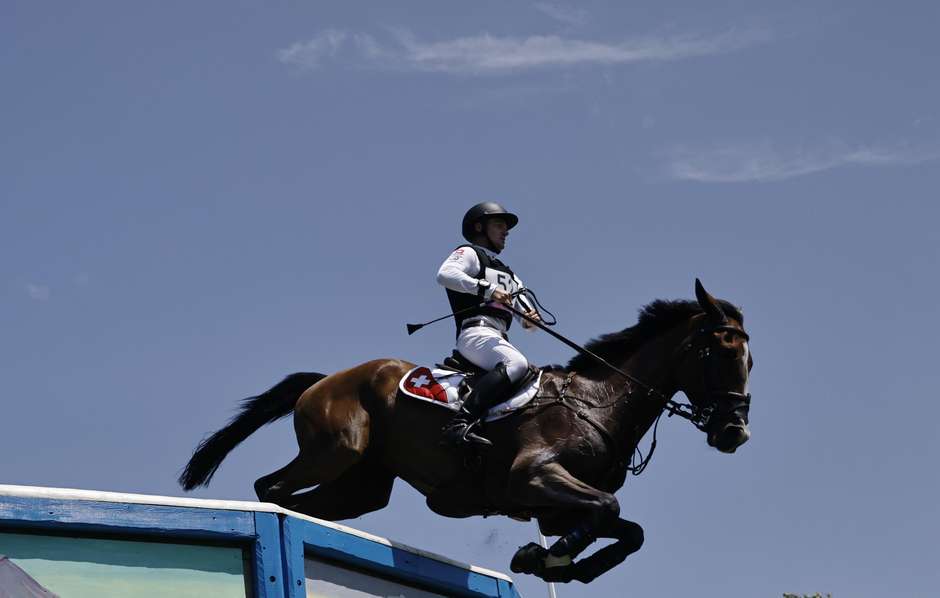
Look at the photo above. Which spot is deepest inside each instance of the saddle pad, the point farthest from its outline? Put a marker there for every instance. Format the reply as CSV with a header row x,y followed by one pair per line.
x,y
440,387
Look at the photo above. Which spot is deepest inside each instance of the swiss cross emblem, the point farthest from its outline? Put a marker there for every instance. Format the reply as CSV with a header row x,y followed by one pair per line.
x,y
422,383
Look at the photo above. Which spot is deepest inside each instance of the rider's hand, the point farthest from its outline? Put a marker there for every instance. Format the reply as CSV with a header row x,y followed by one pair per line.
x,y
501,296
534,315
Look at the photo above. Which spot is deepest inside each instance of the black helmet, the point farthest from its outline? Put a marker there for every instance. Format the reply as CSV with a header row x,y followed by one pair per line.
x,y
483,210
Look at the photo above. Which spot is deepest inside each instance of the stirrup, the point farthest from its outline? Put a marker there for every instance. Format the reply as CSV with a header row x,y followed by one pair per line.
x,y
460,435
470,437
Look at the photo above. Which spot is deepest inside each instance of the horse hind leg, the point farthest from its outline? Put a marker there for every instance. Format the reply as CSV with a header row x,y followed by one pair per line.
x,y
362,489
311,468
263,484
333,436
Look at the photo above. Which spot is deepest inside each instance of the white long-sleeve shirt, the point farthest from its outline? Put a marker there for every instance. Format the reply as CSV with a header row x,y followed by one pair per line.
x,y
459,273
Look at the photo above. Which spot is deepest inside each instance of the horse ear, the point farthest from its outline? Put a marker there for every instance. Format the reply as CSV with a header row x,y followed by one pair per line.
x,y
709,304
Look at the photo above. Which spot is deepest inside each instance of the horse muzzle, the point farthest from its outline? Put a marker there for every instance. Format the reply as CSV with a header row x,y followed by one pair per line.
x,y
728,437
727,426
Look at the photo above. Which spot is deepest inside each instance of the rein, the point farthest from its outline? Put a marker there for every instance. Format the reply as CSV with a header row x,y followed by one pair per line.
x,y
699,417
650,390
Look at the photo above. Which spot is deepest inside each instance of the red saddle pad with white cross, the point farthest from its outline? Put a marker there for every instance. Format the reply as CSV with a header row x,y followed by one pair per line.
x,y
441,387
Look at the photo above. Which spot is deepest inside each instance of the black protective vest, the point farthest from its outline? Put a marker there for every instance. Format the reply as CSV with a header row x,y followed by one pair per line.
x,y
499,275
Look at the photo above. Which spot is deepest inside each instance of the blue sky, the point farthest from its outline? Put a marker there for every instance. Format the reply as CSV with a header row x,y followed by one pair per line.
x,y
196,199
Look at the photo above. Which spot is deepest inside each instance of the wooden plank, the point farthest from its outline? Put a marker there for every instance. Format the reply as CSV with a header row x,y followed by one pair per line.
x,y
139,519
269,571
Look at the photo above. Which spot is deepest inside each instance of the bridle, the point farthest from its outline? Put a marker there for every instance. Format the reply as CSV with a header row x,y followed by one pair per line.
x,y
717,401
700,417
720,401
698,412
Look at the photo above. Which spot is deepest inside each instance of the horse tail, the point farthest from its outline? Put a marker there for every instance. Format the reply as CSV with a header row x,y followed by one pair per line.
x,y
255,412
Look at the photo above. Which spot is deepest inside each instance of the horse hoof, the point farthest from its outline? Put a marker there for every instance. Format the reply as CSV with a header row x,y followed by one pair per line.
x,y
529,559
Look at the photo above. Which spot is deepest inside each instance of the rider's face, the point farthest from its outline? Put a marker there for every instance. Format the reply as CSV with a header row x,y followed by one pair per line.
x,y
496,230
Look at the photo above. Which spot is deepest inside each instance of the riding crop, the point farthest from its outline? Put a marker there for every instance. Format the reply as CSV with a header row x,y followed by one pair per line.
x,y
412,328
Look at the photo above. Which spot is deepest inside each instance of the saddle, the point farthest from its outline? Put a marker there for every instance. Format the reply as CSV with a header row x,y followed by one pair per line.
x,y
458,363
447,384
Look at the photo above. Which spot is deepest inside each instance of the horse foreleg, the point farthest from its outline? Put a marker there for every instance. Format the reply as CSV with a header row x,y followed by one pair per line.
x,y
549,485
629,536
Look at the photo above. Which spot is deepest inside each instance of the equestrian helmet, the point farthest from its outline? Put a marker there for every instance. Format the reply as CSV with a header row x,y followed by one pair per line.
x,y
481,211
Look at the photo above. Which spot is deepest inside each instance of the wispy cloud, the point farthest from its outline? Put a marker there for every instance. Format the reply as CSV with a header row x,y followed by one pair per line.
x,y
311,53
743,163
565,14
37,292
485,54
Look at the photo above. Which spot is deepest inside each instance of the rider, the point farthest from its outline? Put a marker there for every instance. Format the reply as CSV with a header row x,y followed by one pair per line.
x,y
472,274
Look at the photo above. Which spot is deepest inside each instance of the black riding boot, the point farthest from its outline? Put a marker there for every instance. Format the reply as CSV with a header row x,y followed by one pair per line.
x,y
489,390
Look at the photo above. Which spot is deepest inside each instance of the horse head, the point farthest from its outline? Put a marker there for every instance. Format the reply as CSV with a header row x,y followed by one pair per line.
x,y
714,365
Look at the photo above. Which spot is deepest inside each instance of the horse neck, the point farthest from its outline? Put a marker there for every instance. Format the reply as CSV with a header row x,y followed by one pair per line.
x,y
653,365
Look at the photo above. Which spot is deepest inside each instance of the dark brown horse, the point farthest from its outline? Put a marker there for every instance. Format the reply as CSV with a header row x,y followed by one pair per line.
x,y
559,460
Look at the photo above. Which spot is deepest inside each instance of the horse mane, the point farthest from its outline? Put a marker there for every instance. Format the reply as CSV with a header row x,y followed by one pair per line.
x,y
655,319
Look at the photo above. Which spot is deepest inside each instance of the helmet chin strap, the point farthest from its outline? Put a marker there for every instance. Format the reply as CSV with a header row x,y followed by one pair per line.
x,y
486,243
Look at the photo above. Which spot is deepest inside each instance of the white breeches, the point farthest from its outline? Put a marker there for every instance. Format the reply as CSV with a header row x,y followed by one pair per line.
x,y
486,348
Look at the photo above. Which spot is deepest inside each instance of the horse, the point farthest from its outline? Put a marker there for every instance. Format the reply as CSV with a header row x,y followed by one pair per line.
x,y
558,460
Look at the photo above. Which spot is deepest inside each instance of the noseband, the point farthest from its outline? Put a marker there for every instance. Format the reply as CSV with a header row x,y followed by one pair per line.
x,y
718,401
